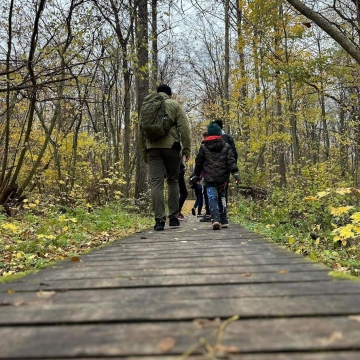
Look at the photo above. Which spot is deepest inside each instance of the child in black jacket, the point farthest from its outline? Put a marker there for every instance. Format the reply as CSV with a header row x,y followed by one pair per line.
x,y
216,160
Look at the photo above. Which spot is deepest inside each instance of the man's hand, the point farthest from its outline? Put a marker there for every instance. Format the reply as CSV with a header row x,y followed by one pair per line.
x,y
237,178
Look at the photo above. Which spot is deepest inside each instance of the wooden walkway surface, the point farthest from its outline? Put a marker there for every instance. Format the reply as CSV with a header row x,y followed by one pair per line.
x,y
176,294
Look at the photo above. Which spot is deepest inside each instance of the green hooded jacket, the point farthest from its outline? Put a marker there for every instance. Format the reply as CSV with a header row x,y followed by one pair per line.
x,y
180,132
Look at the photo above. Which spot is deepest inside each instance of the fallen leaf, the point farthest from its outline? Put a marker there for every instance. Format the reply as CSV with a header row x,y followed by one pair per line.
x,y
283,271
335,335
166,344
75,259
354,317
10,291
226,349
246,274
45,294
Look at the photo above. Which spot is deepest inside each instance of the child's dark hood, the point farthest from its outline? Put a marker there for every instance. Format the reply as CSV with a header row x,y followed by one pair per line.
x,y
214,143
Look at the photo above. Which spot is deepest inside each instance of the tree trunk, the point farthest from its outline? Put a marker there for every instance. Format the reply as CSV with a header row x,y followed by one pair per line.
x,y
227,65
142,90
154,45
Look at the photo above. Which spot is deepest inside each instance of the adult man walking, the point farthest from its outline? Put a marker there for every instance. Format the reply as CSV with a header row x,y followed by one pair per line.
x,y
163,157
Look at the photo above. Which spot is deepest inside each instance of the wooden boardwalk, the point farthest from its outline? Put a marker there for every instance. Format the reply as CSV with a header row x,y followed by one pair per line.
x,y
184,293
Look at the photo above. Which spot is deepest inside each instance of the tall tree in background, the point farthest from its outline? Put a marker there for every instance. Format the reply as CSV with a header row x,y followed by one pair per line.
x,y
121,17
142,79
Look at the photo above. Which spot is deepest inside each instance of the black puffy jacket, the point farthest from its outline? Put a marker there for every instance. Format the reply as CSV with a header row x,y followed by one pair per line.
x,y
216,159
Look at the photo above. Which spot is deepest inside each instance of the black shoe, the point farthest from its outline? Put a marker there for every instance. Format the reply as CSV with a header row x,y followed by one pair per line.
x,y
193,211
206,218
174,221
224,223
159,226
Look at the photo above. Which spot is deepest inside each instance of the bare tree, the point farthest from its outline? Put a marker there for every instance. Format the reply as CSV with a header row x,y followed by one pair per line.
x,y
332,29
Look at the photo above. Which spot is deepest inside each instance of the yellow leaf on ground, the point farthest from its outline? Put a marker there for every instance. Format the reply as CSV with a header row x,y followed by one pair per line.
x,y
166,344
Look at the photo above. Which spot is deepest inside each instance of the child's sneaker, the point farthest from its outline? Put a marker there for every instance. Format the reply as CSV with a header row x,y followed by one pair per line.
x,y
216,225
225,223
181,217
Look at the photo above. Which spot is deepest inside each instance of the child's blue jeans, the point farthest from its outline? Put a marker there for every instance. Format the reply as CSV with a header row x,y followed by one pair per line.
x,y
216,193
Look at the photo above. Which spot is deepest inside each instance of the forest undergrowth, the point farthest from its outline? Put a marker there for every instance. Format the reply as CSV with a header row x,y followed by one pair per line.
x,y
323,225
41,234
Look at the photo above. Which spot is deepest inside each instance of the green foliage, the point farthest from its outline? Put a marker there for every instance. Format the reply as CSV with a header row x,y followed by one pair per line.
x,y
309,218
48,233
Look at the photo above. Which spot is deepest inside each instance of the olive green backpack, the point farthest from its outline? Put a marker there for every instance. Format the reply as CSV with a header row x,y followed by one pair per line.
x,y
154,121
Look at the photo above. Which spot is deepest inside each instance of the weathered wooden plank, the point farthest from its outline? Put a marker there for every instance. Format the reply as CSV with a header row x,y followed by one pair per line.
x,y
83,272
175,257
183,292
148,309
186,252
248,336
182,262
325,355
206,279
181,242
187,249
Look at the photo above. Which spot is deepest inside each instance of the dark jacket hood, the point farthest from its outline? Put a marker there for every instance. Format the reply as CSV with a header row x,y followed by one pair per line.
x,y
214,143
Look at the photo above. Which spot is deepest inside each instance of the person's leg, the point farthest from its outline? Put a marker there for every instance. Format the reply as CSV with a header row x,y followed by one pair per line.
x,y
183,191
200,199
196,203
207,216
212,192
206,200
172,164
157,171
222,203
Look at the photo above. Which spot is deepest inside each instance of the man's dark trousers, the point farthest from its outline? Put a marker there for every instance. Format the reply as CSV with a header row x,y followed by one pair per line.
x,y
164,163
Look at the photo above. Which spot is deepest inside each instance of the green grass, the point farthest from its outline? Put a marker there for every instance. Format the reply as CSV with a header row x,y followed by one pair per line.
x,y
38,237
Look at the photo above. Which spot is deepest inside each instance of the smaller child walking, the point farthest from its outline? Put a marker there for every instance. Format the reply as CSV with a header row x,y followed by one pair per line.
x,y
198,205
216,159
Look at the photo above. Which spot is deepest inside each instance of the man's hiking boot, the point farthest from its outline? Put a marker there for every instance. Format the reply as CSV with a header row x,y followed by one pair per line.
x,y
216,225
193,211
206,218
174,221
159,225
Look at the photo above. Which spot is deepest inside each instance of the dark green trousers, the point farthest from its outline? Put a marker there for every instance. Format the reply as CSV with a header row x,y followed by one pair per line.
x,y
164,164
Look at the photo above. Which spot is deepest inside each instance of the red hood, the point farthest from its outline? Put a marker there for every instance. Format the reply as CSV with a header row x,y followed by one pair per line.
x,y
213,137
